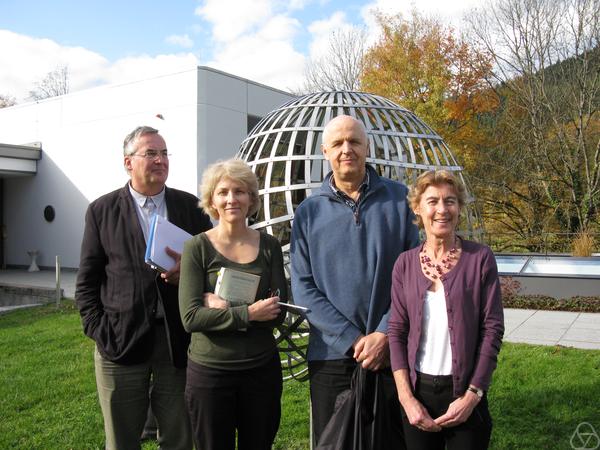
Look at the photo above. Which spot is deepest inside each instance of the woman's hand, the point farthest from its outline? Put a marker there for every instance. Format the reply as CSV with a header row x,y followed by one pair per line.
x,y
214,301
264,310
418,416
458,411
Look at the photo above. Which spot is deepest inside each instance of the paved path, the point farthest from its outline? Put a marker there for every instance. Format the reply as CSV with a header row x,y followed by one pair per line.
x,y
43,278
571,329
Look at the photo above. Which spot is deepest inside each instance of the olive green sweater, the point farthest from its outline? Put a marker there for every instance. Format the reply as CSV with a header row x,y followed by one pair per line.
x,y
225,338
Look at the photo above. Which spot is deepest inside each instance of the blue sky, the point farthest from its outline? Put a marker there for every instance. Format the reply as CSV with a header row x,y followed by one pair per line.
x,y
114,41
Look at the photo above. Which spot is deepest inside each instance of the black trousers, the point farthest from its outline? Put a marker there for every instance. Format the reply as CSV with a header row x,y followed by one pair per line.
x,y
221,402
328,379
436,393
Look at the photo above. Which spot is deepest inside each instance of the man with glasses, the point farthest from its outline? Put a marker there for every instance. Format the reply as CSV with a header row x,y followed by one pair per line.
x,y
130,310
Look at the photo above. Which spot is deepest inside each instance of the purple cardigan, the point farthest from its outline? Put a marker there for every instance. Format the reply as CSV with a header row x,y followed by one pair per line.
x,y
475,316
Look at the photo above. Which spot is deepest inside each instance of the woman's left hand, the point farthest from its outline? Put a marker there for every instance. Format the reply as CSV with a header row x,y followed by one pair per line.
x,y
458,411
264,310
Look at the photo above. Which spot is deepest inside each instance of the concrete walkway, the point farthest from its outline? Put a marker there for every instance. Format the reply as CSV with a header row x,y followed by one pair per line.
x,y
571,329
43,278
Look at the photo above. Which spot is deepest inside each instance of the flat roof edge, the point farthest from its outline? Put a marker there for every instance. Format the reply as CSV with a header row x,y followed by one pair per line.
x,y
31,151
256,83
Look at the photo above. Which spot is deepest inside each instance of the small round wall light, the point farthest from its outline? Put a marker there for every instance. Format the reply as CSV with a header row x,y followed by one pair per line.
x,y
49,213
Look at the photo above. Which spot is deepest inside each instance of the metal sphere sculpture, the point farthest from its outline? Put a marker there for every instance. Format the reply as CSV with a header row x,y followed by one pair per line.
x,y
284,150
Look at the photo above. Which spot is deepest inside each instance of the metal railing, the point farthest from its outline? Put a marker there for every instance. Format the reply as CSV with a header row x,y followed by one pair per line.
x,y
543,243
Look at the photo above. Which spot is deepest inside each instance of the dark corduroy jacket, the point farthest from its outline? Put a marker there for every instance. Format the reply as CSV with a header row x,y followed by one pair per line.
x,y
117,293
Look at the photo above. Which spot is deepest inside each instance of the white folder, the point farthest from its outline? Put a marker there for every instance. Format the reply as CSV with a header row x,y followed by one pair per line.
x,y
164,234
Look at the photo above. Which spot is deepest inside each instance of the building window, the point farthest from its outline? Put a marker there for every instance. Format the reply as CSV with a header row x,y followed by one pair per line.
x,y
252,122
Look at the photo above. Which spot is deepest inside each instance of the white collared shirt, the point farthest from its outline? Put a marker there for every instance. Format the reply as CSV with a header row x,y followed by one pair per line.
x,y
145,219
142,212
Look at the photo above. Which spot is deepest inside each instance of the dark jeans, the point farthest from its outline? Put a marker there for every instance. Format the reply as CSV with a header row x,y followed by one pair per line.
x,y
328,379
435,393
220,402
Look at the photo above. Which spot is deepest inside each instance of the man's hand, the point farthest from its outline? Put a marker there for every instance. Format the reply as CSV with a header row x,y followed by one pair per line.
x,y
372,351
458,411
172,276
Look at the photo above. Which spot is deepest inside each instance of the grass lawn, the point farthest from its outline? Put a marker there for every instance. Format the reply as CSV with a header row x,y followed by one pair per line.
x,y
48,394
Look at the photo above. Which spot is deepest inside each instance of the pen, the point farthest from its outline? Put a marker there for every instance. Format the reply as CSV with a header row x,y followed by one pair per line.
x,y
292,306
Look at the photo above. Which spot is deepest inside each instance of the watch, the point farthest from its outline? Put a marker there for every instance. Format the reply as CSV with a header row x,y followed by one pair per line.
x,y
478,392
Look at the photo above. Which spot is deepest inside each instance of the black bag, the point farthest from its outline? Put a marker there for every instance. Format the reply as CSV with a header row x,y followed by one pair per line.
x,y
361,420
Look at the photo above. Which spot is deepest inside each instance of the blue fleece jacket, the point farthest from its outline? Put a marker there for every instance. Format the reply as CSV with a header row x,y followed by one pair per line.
x,y
342,262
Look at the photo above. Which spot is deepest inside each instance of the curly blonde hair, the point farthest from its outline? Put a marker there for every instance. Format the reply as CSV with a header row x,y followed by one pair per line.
x,y
435,178
233,169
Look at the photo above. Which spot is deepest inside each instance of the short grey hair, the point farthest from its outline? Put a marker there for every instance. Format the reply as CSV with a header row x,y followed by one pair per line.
x,y
130,142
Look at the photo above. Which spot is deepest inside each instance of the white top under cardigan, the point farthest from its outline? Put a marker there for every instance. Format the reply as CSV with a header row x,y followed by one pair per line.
x,y
434,356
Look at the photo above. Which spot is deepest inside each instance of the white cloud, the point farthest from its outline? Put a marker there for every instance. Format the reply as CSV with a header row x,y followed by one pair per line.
x,y
450,12
182,40
144,66
280,27
321,31
232,18
298,4
266,56
25,60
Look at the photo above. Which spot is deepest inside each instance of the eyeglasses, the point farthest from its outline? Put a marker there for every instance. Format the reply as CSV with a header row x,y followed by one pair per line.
x,y
153,154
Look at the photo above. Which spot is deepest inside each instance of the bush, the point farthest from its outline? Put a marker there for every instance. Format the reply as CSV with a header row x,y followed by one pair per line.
x,y
577,303
583,244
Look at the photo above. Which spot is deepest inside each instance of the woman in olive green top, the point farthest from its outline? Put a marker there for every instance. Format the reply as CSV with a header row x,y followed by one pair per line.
x,y
234,375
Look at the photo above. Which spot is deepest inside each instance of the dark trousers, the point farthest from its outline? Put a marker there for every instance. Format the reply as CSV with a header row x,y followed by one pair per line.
x,y
221,402
328,379
435,393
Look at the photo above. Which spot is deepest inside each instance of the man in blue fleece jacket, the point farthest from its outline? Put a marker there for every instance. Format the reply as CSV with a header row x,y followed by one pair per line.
x,y
345,240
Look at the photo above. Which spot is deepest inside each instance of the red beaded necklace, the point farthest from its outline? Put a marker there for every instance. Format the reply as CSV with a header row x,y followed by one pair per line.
x,y
438,269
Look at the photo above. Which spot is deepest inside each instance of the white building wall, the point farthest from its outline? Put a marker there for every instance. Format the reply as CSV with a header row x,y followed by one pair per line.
x,y
81,134
224,102
82,158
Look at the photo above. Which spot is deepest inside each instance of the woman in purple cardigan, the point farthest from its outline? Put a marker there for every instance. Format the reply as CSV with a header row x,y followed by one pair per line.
x,y
446,324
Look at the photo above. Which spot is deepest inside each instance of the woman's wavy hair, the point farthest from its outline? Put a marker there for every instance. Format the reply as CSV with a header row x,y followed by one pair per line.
x,y
435,178
234,169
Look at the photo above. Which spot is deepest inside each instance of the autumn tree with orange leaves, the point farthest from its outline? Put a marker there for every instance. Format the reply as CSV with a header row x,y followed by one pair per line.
x,y
422,65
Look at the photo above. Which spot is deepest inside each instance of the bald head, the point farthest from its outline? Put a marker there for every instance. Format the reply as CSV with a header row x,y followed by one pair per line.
x,y
345,147
343,121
